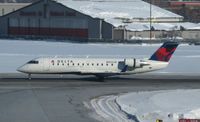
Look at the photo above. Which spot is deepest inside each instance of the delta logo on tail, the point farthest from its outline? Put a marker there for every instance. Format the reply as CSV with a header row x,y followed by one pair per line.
x,y
165,52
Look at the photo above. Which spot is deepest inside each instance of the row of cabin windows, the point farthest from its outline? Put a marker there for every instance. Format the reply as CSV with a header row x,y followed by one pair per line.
x,y
78,64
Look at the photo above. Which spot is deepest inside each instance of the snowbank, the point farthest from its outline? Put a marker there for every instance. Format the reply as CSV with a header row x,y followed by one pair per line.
x,y
168,105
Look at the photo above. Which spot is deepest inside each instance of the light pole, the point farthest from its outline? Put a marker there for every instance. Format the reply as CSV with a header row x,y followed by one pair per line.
x,y
150,33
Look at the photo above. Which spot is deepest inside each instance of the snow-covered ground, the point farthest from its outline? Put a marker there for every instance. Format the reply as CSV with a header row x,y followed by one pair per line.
x,y
108,110
145,105
14,53
168,105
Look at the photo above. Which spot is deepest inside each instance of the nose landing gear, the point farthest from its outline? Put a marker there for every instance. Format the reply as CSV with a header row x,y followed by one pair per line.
x,y
29,76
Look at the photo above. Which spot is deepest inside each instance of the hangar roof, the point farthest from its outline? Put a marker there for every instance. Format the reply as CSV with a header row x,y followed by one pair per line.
x,y
132,14
123,12
108,9
163,26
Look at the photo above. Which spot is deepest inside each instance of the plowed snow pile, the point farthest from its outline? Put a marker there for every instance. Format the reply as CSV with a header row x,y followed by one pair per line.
x,y
168,105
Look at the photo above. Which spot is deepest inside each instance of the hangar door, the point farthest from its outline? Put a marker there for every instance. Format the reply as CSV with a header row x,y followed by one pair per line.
x,y
67,27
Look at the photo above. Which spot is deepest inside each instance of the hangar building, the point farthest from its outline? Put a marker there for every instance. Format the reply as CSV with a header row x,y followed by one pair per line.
x,y
86,19
47,18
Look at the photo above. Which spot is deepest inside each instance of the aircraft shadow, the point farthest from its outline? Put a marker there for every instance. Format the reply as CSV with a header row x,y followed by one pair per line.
x,y
94,79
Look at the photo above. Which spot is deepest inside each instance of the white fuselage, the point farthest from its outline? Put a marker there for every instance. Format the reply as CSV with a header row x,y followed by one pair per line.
x,y
101,67
86,66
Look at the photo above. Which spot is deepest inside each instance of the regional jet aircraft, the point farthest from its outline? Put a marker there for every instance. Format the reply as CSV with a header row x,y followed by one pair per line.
x,y
100,67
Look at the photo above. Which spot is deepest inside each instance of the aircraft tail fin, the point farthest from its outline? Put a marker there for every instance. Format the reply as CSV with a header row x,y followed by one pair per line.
x,y
165,52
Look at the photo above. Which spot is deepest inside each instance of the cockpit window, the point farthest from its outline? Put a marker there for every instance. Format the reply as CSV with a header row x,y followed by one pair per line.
x,y
33,62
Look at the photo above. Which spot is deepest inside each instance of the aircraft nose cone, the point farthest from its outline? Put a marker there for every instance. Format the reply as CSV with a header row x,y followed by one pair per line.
x,y
22,69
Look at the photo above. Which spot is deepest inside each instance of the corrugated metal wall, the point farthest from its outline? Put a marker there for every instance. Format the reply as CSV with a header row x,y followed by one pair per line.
x,y
49,27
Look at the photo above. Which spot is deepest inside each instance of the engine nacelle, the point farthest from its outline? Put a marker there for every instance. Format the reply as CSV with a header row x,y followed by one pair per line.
x,y
133,63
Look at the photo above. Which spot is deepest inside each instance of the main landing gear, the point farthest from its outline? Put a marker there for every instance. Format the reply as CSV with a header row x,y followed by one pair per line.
x,y
100,78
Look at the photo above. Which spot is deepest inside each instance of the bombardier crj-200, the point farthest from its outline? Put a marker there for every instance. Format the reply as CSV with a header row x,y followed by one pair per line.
x,y
100,67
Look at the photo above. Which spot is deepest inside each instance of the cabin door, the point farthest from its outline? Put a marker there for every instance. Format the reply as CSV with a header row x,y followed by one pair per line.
x,y
46,65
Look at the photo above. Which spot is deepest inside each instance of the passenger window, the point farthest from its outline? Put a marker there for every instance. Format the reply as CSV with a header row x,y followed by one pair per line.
x,y
111,64
78,64
92,64
62,62
88,64
52,62
106,64
58,62
102,64
97,64
82,64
